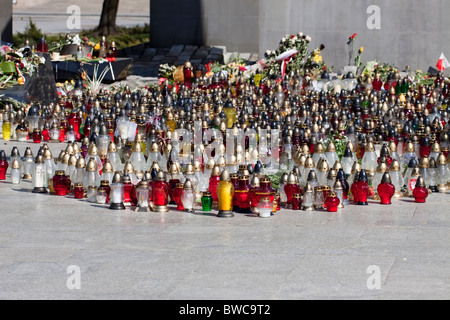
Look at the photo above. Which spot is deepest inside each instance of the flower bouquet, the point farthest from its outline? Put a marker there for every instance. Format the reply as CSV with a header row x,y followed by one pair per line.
x,y
279,62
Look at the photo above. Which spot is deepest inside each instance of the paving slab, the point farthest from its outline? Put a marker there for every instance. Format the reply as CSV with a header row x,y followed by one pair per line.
x,y
292,255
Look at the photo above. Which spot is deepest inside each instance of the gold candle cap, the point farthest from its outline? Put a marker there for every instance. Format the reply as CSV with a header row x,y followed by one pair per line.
x,y
424,162
72,160
356,167
322,165
137,147
154,147
155,165
215,171
47,155
69,149
112,148
210,164
409,147
370,147
81,163
189,169
319,148
395,166
351,146
107,167
309,163
117,178
197,166
188,185
292,178
93,150
382,167
331,147
441,159
173,169
221,162
337,185
225,176
332,174
392,146
15,164
435,147
337,165
128,168
91,165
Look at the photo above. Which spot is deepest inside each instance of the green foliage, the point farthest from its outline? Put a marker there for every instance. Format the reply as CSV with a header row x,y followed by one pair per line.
x,y
125,37
32,33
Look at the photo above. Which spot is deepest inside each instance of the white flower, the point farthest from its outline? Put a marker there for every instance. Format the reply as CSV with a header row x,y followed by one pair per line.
x,y
42,60
76,40
283,39
308,39
300,35
293,41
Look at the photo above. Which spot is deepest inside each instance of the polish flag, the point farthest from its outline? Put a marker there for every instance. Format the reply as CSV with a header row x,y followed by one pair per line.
x,y
442,63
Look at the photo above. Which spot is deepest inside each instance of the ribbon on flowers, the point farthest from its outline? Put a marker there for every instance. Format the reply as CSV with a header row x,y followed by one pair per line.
x,y
20,73
285,58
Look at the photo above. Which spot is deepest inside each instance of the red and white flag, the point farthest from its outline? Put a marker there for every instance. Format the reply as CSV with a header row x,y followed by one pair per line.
x,y
442,63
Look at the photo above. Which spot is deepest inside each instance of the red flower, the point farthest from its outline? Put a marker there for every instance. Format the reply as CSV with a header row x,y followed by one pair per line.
x,y
242,68
353,36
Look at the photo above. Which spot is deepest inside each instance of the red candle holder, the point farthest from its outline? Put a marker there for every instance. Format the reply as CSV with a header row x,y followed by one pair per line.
x,y
420,192
3,165
386,189
61,183
297,201
176,194
78,191
332,202
37,136
242,194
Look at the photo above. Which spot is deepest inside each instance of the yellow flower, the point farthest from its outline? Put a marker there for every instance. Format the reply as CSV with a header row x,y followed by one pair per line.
x,y
361,49
97,46
317,58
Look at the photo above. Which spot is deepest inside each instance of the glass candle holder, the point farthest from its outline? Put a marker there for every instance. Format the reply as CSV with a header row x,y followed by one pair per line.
x,y
15,173
420,192
101,195
143,197
308,198
296,201
331,202
318,197
91,194
39,177
78,191
61,183
3,165
116,195
225,191
188,197
176,196
207,201
160,193
264,207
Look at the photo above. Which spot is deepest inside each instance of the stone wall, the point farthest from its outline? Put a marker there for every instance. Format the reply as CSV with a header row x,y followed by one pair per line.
x,y
400,32
6,20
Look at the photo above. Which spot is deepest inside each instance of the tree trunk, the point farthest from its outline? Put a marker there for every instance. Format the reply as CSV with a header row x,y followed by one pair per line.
x,y
107,25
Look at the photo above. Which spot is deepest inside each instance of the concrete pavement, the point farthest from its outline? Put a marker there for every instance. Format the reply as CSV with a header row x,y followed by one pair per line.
x,y
45,239
51,16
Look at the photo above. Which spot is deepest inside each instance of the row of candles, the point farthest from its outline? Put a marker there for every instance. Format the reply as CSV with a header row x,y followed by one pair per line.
x,y
81,172
129,141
